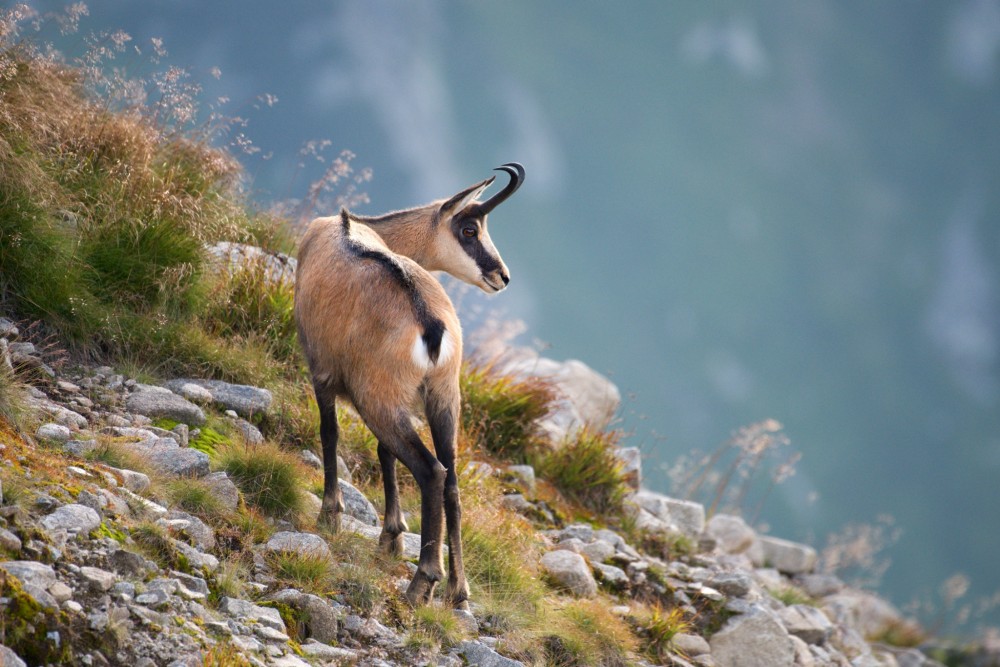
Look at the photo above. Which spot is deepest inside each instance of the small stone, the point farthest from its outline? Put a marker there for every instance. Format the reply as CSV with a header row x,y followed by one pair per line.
x,y
9,541
60,591
153,598
688,516
224,489
128,563
73,606
732,584
570,571
56,434
631,459
466,620
598,551
8,329
251,434
132,480
311,459
98,579
524,475
610,575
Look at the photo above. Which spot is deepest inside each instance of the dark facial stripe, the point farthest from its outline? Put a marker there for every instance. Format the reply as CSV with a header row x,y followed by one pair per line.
x,y
433,328
474,248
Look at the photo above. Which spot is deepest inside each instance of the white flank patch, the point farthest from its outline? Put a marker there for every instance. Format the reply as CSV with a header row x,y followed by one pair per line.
x,y
421,357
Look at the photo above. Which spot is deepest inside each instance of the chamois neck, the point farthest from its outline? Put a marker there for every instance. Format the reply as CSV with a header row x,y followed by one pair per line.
x,y
405,232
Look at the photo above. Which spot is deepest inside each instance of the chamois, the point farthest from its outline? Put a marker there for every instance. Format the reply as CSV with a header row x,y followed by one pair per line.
x,y
379,330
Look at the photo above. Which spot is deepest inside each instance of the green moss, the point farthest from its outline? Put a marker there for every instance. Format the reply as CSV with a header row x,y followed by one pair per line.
x,y
104,530
25,624
209,441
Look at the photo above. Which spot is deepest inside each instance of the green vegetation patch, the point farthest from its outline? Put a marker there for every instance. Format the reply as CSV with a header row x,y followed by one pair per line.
x,y
587,471
269,477
499,412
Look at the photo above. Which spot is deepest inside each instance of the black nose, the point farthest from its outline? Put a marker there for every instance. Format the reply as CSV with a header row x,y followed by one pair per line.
x,y
505,278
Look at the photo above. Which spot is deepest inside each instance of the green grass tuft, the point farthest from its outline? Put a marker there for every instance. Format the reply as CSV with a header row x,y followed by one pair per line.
x,y
312,573
269,477
587,471
498,411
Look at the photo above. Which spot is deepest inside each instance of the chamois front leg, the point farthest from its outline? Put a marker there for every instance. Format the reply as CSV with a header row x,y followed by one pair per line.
x,y
333,500
442,420
391,539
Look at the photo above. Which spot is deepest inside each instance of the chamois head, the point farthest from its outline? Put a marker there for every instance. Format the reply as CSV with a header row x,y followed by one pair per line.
x,y
464,247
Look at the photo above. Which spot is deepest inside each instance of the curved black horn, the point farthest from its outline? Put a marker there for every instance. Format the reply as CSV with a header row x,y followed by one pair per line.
x,y
516,173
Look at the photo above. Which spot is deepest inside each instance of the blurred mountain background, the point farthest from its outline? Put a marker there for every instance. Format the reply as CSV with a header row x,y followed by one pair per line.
x,y
783,210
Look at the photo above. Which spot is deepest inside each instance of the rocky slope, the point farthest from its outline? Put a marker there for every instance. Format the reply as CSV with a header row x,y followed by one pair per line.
x,y
79,583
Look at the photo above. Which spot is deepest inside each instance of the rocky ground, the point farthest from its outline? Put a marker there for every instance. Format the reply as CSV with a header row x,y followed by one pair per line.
x,y
75,587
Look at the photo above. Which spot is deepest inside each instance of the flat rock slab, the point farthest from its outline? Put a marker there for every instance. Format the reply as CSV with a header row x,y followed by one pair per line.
x,y
164,404
170,458
242,609
73,519
305,544
243,399
788,557
479,654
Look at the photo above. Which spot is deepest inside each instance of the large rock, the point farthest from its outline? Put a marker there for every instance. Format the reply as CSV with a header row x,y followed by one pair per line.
x,y
8,658
156,402
236,257
167,456
755,639
807,623
356,505
72,518
243,399
686,515
788,557
585,397
731,533
570,571
53,433
318,617
306,544
244,610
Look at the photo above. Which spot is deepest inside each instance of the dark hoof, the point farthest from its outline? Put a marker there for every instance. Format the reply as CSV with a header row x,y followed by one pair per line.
x,y
391,545
421,590
461,605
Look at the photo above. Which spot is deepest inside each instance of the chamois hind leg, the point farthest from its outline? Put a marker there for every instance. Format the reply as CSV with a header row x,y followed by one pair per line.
x,y
333,501
391,539
398,436
442,416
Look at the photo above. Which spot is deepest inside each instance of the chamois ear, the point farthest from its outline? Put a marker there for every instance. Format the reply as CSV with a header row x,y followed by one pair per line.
x,y
464,198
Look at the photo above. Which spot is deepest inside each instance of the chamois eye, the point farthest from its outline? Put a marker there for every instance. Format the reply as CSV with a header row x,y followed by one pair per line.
x,y
469,232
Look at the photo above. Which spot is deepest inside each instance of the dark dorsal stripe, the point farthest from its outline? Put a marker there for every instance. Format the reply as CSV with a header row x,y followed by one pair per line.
x,y
433,328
